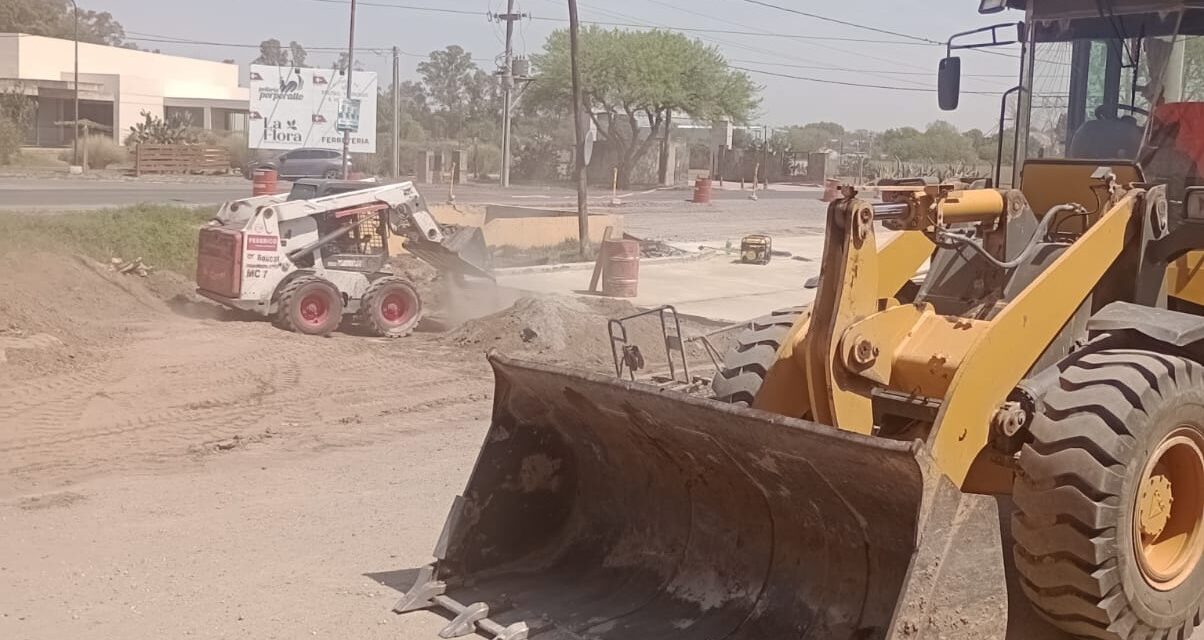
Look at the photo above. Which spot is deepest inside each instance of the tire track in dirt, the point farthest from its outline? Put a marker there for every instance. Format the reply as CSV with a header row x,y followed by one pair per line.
x,y
248,381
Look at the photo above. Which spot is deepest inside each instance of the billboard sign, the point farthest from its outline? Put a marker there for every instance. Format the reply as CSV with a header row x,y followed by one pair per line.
x,y
298,107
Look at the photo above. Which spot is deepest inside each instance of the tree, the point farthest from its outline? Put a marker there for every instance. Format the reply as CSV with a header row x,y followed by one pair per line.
x,y
341,64
940,142
465,101
274,54
634,81
56,19
271,54
297,53
814,136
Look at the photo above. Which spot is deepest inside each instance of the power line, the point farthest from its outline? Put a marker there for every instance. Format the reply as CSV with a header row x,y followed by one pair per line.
x,y
877,71
857,84
735,32
843,22
159,38
918,39
408,7
774,54
604,23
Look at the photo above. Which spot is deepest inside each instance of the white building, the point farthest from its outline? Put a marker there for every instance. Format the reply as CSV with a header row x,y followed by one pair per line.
x,y
116,85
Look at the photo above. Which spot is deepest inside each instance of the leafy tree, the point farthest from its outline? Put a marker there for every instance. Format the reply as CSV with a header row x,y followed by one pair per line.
x,y
296,54
940,142
274,54
814,136
56,19
341,63
634,81
464,100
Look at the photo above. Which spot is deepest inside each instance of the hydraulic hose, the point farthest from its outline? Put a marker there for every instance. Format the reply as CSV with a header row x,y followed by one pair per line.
x,y
1033,243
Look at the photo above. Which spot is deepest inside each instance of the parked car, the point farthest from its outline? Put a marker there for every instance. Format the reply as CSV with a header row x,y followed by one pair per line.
x,y
303,163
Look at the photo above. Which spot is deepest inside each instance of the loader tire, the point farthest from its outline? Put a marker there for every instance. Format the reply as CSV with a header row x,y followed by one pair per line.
x,y
1109,526
309,305
748,361
391,307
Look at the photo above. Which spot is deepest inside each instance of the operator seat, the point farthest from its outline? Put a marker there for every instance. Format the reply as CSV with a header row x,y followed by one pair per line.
x,y
1106,138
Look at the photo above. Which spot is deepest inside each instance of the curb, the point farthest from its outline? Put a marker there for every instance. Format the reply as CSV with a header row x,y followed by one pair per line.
x,y
582,266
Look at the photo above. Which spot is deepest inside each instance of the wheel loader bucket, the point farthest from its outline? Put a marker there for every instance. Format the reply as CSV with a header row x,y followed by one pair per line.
x,y
462,251
610,510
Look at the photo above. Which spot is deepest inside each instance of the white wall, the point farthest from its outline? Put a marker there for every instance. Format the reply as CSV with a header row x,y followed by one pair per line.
x,y
43,58
138,80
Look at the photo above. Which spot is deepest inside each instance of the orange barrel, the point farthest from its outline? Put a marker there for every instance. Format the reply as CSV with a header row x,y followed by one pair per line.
x,y
831,190
263,182
702,190
620,268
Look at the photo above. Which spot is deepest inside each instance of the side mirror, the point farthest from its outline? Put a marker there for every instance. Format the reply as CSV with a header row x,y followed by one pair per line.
x,y
1194,204
949,83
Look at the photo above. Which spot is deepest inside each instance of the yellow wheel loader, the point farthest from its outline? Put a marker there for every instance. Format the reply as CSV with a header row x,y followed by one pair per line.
x,y
1012,447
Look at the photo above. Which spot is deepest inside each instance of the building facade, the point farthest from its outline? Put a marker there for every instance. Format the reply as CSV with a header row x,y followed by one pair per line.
x,y
116,85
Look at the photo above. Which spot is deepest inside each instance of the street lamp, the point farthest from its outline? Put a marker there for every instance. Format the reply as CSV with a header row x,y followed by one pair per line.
x,y
75,119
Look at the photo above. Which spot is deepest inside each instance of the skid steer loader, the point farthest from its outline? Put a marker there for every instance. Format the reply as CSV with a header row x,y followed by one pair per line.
x,y
312,256
1012,448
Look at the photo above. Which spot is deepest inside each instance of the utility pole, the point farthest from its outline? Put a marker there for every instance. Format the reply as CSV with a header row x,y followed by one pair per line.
x,y
350,66
75,82
396,112
508,88
579,127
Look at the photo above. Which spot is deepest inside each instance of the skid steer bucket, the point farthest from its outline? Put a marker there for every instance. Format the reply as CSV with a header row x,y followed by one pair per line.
x,y
462,251
610,510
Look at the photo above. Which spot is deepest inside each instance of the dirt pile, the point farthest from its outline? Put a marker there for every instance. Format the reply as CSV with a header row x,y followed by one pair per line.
x,y
56,310
571,331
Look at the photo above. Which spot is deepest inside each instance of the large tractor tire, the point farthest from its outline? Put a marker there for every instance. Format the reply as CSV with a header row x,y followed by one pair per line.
x,y
748,361
309,305
1109,526
391,307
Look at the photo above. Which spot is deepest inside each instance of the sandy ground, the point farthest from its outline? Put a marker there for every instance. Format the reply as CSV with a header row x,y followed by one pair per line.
x,y
169,470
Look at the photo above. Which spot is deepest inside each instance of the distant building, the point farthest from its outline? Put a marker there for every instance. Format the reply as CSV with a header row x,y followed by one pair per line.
x,y
116,85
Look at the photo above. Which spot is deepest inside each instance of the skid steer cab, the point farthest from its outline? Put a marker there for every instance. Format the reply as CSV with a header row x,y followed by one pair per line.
x,y
319,255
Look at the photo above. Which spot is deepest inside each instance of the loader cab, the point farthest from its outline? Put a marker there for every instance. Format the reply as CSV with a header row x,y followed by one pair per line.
x,y
1117,83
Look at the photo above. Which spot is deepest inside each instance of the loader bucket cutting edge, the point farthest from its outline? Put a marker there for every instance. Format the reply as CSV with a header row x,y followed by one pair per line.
x,y
463,251
610,510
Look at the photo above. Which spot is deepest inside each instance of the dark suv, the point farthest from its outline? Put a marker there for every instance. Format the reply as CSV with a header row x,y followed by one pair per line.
x,y
304,163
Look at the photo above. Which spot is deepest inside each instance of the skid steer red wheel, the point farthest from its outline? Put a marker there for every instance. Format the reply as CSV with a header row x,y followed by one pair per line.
x,y
309,305
391,307
1109,525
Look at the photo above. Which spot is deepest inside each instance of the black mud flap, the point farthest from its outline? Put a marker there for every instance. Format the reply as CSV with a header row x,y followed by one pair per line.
x,y
462,251
609,510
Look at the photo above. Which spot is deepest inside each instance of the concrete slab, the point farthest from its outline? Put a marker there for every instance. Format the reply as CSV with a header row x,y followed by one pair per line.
x,y
717,286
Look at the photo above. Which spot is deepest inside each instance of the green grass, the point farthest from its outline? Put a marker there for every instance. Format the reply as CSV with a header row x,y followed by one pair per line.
x,y
163,236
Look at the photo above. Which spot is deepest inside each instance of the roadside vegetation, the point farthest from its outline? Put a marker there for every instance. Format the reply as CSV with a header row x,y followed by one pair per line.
x,y
164,237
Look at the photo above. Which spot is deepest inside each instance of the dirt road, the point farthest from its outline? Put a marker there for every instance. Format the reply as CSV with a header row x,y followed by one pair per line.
x,y
168,470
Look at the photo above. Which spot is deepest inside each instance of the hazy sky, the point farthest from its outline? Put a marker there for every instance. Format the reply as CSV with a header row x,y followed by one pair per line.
x,y
323,23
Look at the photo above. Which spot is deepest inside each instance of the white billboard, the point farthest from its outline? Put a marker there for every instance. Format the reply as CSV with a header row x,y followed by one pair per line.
x,y
297,107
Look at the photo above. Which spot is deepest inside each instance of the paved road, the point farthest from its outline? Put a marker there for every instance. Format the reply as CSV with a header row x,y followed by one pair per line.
x,y
50,194
62,194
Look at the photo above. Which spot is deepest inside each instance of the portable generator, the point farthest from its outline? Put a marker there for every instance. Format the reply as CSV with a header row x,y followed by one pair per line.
x,y
756,249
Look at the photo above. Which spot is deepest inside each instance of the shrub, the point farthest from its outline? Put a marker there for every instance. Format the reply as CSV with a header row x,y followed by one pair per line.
x,y
175,130
101,151
235,144
10,139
